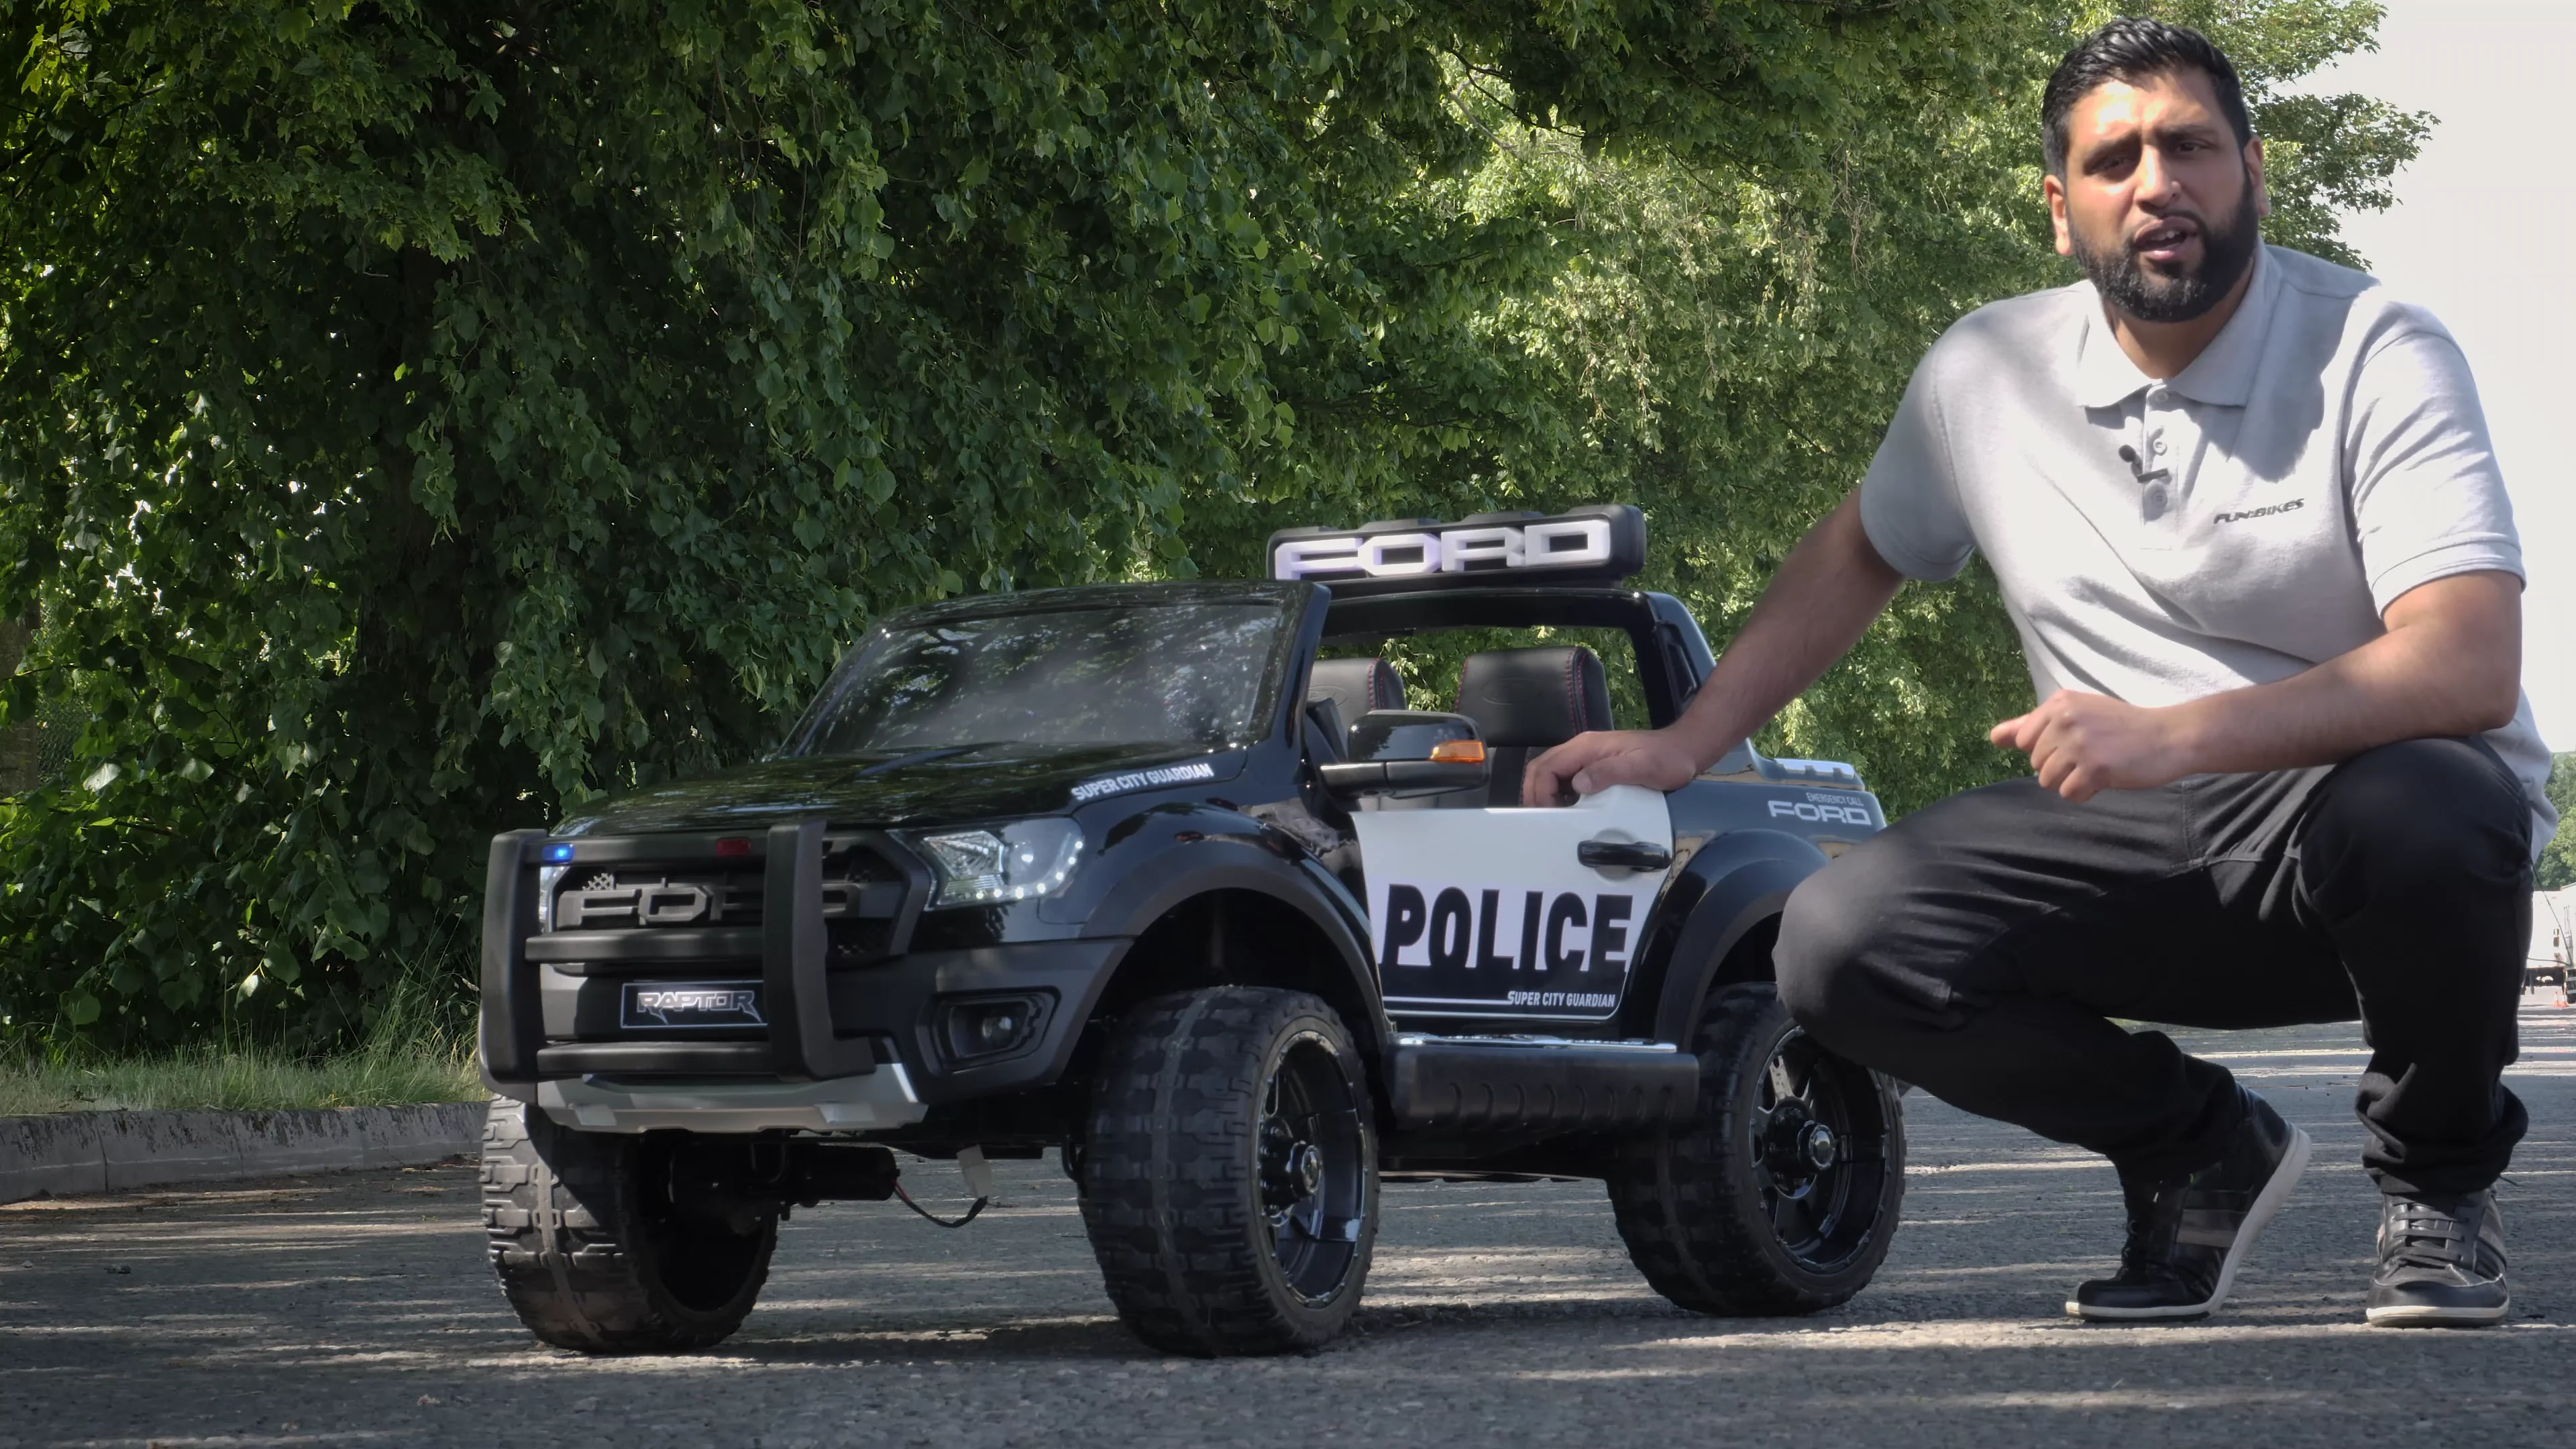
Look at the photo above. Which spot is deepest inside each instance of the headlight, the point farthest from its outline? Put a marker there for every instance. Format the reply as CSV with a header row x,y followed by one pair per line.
x,y
987,867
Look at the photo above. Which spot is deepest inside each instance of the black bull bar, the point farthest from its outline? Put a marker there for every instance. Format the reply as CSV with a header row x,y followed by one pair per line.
x,y
793,944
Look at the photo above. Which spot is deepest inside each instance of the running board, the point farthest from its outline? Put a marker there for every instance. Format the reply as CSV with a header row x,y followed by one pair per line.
x,y
1521,1084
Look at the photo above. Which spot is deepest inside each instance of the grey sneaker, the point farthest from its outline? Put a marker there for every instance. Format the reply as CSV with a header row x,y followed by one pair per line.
x,y
2441,1262
2188,1236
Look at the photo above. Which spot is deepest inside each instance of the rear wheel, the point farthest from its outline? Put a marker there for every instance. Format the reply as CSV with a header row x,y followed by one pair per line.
x,y
1229,1176
590,1250
1783,1197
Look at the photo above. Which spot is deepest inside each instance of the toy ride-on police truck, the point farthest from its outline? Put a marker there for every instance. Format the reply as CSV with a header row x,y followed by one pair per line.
x,y
1177,878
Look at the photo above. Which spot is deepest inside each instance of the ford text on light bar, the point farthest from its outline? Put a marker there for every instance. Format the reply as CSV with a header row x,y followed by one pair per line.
x,y
1564,541
1600,544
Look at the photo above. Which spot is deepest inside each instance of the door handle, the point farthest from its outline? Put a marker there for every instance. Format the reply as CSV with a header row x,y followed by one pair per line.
x,y
1623,855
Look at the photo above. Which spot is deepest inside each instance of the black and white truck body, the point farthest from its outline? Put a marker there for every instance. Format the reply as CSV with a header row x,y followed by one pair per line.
x,y
1177,879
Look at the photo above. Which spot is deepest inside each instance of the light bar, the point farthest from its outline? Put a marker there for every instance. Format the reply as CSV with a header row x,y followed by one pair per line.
x,y
1600,544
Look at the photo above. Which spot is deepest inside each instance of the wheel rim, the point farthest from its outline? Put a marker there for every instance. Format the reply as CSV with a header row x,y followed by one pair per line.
x,y
1818,1138
1313,1178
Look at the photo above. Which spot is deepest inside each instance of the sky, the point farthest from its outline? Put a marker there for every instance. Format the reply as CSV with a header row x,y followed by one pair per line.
x,y
2478,234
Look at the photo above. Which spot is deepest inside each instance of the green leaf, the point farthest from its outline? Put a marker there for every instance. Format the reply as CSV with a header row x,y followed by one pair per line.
x,y
377,382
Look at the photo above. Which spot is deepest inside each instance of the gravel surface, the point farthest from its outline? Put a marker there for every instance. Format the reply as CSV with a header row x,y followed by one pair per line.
x,y
357,1309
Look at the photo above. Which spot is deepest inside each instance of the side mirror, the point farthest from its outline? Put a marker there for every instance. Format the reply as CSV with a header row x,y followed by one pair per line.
x,y
1326,740
1409,752
1409,734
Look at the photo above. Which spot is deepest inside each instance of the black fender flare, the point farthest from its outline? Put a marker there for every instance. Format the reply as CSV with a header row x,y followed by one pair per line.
x,y
1179,870
1735,883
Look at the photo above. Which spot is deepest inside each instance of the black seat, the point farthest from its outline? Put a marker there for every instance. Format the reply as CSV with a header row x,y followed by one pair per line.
x,y
1525,701
1356,686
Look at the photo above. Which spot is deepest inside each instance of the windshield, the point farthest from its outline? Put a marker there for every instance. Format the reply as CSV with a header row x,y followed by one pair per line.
x,y
1141,672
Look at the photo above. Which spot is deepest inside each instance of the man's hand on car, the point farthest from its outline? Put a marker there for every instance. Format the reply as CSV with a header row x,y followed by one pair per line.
x,y
1590,763
2082,744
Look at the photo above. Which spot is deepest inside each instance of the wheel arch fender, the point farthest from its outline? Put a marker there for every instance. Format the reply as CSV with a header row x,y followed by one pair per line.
x,y
1723,893
1158,888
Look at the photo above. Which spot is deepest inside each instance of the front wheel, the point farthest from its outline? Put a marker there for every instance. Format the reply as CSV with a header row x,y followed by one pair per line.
x,y
1783,1197
1229,1176
590,1250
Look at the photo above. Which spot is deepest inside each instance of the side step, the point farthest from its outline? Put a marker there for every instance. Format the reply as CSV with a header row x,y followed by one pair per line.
x,y
1521,1084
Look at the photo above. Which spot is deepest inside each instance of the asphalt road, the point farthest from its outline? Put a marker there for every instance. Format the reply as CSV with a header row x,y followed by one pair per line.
x,y
356,1310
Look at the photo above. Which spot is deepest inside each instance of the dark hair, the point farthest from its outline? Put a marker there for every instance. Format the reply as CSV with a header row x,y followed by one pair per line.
x,y
2131,50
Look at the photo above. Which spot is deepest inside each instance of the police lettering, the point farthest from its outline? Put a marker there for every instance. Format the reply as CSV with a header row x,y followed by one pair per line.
x,y
1609,933
1405,918
1449,929
1565,910
1489,909
1456,932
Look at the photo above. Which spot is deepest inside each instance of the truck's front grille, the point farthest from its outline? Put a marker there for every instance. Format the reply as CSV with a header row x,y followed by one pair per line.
x,y
678,941
657,898
682,918
862,896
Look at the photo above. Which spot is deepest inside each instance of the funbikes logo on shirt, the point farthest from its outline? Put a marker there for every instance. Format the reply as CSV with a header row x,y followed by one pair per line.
x,y
2293,506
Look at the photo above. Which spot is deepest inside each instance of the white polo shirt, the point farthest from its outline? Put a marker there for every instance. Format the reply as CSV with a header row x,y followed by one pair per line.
x,y
2324,455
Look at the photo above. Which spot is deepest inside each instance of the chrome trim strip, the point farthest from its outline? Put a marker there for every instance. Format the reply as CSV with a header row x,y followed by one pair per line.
x,y
880,1100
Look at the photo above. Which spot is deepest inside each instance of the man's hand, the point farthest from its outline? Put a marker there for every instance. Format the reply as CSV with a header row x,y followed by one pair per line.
x,y
2083,744
2449,664
1594,762
1828,589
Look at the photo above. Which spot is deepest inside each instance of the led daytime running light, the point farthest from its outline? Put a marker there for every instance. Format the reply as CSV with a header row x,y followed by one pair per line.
x,y
1017,862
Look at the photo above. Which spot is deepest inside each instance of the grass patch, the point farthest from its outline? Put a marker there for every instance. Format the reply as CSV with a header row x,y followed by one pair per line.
x,y
419,1049
235,1078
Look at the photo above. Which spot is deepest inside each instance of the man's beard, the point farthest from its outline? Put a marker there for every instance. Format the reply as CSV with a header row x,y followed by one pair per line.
x,y
2126,284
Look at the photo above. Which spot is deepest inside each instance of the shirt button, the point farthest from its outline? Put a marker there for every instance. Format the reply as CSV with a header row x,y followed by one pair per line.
x,y
2160,445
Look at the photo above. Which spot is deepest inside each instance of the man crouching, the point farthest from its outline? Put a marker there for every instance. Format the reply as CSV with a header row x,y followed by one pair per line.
x,y
2243,510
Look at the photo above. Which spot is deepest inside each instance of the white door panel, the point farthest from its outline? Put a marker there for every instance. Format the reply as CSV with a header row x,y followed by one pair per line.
x,y
1488,912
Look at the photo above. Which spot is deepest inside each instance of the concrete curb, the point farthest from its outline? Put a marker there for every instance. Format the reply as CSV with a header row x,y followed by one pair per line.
x,y
65,1154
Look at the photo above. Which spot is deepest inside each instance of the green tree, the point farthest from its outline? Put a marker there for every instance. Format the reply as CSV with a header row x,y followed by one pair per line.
x,y
2557,868
417,418
414,418
1734,335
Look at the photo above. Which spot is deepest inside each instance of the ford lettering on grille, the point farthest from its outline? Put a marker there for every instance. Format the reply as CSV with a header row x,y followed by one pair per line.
x,y
678,903
673,904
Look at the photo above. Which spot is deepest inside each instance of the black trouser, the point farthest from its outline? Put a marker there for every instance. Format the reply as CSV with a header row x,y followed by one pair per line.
x,y
1978,947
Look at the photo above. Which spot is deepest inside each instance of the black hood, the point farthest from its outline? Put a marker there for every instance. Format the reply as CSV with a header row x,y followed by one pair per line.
x,y
917,788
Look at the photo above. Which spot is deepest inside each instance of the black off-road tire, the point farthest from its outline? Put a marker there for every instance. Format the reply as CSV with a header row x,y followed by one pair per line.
x,y
587,1248
1703,1215
1181,1174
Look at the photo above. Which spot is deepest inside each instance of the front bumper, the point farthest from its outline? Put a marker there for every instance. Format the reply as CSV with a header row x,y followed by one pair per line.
x,y
876,1102
852,1042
